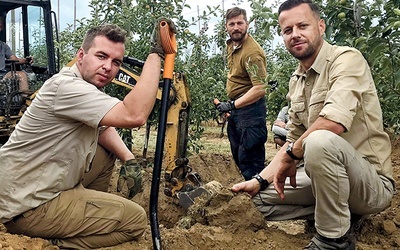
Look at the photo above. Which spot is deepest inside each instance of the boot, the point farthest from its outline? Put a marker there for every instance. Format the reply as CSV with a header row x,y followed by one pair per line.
x,y
319,242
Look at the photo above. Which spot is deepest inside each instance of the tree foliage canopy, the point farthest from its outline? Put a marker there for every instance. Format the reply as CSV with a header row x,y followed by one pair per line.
x,y
370,26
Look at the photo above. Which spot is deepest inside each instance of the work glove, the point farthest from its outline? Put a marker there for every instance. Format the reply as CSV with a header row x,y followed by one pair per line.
x,y
156,45
131,174
224,107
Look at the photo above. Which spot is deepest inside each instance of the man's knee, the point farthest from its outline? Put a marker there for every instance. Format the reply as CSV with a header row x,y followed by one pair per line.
x,y
142,223
318,143
136,221
22,79
23,84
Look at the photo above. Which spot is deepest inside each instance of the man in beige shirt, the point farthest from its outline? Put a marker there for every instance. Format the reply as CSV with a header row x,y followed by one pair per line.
x,y
337,156
56,167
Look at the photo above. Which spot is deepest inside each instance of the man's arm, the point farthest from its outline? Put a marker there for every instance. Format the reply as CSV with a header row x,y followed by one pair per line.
x,y
282,166
257,71
111,141
134,110
21,60
253,95
282,114
280,160
290,170
280,123
319,124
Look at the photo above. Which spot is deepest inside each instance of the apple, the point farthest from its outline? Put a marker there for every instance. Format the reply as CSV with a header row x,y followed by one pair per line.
x,y
342,15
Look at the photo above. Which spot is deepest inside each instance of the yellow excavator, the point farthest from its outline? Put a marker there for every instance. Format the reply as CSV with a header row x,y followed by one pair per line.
x,y
180,180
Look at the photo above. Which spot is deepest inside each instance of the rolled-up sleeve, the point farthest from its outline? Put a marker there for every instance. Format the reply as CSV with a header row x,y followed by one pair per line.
x,y
346,86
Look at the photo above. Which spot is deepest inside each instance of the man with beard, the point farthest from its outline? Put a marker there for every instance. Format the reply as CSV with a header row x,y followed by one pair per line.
x,y
247,131
337,155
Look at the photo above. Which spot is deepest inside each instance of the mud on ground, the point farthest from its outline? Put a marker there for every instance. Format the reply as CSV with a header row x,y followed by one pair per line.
x,y
227,220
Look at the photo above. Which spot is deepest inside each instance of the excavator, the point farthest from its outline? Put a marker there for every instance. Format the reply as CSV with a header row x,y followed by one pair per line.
x,y
180,180
23,19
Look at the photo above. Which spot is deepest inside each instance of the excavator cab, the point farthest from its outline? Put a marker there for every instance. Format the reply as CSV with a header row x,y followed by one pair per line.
x,y
27,28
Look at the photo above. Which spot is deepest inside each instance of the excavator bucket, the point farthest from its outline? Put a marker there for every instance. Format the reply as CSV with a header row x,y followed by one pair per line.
x,y
185,185
205,192
186,199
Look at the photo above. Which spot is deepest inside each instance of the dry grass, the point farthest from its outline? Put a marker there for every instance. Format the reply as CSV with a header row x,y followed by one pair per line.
x,y
214,140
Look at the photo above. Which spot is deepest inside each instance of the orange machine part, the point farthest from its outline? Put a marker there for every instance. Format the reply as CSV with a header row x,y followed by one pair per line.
x,y
168,42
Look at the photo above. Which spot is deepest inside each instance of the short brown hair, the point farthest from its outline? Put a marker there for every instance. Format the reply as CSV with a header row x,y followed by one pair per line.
x,y
111,31
234,12
290,4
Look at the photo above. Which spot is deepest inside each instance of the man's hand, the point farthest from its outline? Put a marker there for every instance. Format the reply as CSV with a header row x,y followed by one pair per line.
x,y
280,123
224,107
287,169
29,59
131,174
251,187
156,45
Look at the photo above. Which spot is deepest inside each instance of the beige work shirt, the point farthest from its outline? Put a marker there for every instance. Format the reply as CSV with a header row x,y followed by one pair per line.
x,y
247,67
53,144
339,87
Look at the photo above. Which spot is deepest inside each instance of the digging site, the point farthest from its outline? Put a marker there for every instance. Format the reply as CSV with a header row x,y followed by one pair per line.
x,y
226,220
219,219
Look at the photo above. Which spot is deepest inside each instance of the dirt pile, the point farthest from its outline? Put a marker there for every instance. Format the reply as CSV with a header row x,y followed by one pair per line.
x,y
225,220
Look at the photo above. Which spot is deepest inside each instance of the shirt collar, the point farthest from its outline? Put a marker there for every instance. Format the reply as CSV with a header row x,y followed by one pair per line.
x,y
320,61
76,71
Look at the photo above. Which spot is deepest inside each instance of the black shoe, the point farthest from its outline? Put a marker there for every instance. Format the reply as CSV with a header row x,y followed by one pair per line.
x,y
319,242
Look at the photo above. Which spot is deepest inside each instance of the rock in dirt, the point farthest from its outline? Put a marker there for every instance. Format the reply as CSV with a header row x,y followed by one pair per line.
x,y
222,203
389,227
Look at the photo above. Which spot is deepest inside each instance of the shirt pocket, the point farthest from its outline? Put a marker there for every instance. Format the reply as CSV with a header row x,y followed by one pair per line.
x,y
299,112
317,102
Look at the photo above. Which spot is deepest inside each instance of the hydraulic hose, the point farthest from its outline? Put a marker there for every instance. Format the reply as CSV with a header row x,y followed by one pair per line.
x,y
168,42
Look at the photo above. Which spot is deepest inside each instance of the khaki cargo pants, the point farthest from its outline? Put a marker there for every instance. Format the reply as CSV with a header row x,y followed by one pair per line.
x,y
85,217
341,180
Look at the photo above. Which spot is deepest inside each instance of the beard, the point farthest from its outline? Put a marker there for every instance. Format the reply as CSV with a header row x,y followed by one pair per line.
x,y
307,53
236,37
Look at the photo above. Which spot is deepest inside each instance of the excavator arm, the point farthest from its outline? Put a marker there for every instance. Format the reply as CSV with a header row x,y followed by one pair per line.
x,y
180,180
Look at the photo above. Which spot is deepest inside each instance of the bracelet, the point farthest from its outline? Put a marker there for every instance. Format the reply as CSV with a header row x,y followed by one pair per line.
x,y
263,182
290,153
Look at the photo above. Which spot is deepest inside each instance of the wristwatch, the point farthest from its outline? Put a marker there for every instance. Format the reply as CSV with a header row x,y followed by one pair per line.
x,y
290,153
263,182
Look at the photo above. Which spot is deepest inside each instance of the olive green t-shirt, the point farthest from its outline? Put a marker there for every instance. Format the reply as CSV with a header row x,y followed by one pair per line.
x,y
247,67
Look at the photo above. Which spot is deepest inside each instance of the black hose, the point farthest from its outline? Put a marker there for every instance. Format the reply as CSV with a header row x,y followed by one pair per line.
x,y
155,184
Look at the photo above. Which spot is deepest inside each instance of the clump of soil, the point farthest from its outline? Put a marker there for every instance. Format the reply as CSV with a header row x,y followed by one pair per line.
x,y
224,220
